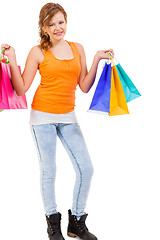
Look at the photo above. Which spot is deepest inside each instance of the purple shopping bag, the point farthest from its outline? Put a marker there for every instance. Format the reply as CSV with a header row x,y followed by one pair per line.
x,y
8,97
101,98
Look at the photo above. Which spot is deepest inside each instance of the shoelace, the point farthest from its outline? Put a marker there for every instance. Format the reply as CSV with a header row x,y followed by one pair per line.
x,y
82,226
54,227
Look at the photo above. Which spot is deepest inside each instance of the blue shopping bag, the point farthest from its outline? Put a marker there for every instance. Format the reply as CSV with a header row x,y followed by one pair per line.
x,y
129,88
101,97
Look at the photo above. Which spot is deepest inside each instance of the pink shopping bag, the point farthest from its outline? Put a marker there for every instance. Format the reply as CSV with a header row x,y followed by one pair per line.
x,y
8,97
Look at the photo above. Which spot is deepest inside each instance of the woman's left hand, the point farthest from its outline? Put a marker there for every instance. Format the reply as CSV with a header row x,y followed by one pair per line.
x,y
103,54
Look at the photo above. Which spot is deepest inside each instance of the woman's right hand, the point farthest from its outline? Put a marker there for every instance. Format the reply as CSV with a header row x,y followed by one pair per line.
x,y
9,52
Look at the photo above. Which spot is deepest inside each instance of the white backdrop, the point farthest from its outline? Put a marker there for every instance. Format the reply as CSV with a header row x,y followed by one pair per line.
x,y
124,197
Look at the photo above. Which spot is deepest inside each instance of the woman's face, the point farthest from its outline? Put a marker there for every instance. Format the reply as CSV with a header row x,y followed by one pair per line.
x,y
57,27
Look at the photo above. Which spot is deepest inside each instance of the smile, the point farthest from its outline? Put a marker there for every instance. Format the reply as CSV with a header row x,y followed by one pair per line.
x,y
59,33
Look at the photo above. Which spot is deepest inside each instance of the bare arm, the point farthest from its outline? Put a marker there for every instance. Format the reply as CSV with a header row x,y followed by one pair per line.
x,y
86,79
22,82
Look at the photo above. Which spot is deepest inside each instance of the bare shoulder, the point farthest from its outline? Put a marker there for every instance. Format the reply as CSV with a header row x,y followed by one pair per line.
x,y
36,50
81,52
79,46
37,54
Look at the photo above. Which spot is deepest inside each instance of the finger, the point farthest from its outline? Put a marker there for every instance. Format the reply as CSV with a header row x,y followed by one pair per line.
x,y
109,54
111,50
6,46
107,51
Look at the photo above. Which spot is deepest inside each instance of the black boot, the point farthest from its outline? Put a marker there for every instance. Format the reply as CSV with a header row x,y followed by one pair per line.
x,y
54,227
78,228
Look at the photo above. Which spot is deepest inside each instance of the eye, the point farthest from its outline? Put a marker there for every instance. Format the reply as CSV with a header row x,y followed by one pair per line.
x,y
51,25
61,22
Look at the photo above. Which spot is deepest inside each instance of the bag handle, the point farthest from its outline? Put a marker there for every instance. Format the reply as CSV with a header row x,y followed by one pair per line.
x,y
112,59
2,57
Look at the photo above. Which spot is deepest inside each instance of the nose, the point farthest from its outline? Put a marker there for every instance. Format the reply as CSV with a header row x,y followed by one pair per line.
x,y
57,27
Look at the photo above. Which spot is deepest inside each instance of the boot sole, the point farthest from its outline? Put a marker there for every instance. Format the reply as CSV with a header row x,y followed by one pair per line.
x,y
73,235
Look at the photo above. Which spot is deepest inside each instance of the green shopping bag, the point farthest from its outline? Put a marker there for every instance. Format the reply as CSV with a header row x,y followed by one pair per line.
x,y
129,88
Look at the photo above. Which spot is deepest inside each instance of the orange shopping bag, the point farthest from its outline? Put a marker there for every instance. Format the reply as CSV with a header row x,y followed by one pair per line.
x,y
118,103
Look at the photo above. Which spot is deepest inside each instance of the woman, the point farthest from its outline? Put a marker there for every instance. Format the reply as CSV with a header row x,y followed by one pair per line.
x,y
62,66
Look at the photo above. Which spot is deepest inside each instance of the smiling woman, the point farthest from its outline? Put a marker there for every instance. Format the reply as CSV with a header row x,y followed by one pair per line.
x,y
62,66
51,16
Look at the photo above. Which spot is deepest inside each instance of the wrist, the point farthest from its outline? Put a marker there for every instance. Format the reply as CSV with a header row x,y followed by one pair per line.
x,y
96,58
12,61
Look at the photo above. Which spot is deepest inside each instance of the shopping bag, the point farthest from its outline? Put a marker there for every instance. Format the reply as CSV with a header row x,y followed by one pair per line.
x,y
3,59
8,97
124,85
101,98
118,103
114,90
129,88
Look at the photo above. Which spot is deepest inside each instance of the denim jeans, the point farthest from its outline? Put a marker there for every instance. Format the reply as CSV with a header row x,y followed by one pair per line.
x,y
45,136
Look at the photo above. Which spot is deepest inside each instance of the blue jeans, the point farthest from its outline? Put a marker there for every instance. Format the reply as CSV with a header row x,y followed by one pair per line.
x,y
45,138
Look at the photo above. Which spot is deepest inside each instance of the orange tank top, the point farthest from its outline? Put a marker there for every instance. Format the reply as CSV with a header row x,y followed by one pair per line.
x,y
59,78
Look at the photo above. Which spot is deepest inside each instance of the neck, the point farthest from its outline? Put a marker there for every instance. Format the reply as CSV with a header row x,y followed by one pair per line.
x,y
57,42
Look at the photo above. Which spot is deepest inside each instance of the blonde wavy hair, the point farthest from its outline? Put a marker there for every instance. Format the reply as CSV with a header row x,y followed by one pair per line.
x,y
46,14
